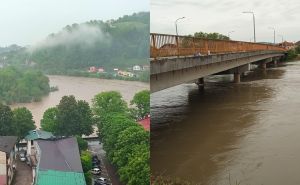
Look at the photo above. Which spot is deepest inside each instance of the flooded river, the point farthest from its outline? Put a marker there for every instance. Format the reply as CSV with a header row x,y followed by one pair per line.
x,y
247,133
83,89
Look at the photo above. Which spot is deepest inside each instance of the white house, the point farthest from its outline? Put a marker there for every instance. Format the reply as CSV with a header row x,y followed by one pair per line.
x,y
136,68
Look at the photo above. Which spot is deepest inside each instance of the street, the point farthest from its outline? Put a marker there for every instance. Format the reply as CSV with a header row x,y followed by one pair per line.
x,y
108,171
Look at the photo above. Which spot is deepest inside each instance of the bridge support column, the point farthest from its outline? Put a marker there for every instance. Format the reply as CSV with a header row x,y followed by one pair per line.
x,y
200,83
263,65
237,77
275,62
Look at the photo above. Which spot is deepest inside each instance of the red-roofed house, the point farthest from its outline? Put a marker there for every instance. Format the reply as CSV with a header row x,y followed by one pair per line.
x,y
145,123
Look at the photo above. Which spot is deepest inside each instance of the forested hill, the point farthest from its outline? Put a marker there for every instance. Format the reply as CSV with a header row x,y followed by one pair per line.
x,y
118,43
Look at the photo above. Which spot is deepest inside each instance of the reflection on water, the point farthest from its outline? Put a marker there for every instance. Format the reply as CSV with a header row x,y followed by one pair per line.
x,y
83,89
247,132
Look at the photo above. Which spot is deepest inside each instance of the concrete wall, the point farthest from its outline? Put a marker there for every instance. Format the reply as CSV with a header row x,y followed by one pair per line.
x,y
169,72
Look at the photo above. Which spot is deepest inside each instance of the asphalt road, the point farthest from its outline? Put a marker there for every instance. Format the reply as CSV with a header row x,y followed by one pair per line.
x,y
108,170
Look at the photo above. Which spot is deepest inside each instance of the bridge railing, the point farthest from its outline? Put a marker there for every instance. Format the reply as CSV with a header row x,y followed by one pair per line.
x,y
163,45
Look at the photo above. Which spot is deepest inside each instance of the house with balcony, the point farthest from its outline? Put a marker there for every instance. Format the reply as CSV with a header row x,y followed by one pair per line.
x,y
7,159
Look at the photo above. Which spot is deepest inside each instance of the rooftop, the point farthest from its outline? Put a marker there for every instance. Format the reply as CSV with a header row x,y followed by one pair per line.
x,y
7,143
59,162
145,123
52,177
62,155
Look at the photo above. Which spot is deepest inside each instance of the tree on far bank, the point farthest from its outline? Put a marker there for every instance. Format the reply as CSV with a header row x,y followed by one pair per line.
x,y
214,35
6,121
23,121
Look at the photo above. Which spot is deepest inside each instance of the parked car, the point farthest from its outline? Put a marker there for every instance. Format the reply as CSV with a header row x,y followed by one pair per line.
x,y
101,181
95,157
96,171
22,157
94,165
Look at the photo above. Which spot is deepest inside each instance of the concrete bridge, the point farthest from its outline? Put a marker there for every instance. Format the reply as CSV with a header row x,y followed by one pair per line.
x,y
180,59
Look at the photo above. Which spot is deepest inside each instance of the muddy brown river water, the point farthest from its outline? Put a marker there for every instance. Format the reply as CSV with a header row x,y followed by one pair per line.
x,y
83,89
247,133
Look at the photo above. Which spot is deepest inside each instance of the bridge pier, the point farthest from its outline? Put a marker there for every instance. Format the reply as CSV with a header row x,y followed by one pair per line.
x,y
263,65
275,62
237,77
200,83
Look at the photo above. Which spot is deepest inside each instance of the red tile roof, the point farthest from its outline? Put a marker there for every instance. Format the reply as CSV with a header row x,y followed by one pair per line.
x,y
145,123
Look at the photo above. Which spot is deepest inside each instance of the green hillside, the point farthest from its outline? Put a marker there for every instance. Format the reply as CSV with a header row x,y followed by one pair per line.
x,y
118,43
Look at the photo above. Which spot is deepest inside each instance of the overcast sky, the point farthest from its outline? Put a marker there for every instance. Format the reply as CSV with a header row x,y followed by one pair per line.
x,y
226,15
25,22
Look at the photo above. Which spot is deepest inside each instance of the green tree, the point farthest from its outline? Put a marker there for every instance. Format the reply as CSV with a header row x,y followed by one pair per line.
x,y
86,161
127,139
109,102
6,121
23,121
142,102
22,85
85,118
137,171
82,144
111,127
214,35
49,121
74,118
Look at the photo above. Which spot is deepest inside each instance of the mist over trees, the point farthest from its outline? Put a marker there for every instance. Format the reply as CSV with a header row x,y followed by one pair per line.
x,y
116,43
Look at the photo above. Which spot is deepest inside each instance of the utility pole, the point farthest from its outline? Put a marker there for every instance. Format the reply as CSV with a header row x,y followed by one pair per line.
x,y
176,24
272,28
253,17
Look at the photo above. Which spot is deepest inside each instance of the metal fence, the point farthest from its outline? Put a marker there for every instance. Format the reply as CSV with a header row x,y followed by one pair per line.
x,y
163,45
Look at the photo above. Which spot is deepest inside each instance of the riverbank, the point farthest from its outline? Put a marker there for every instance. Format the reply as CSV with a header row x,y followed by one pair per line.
x,y
141,76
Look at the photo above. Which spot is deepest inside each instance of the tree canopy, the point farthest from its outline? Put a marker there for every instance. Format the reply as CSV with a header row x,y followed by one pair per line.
x,y
15,123
213,35
69,118
18,85
6,121
126,143
23,121
142,102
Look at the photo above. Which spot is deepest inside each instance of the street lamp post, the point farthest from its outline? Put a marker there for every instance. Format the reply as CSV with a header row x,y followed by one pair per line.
x,y
272,28
229,33
253,16
176,24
